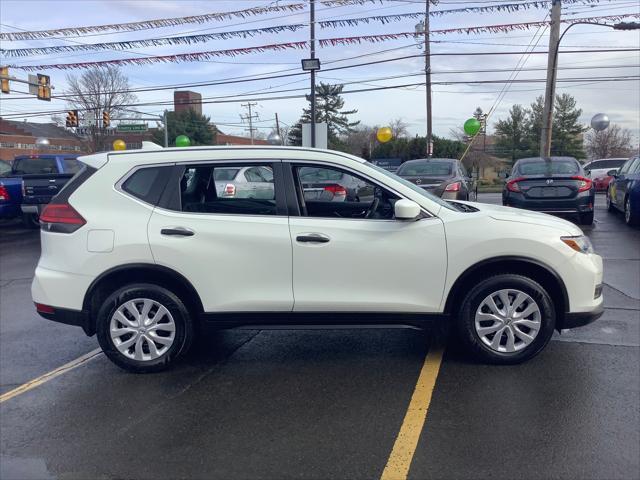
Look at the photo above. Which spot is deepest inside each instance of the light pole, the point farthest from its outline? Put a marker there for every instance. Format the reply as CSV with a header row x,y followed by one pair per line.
x,y
422,37
547,118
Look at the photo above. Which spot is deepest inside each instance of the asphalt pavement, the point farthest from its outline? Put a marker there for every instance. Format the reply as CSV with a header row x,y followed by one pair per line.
x,y
320,404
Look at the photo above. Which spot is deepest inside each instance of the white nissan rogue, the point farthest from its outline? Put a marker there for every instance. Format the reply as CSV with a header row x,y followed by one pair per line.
x,y
141,248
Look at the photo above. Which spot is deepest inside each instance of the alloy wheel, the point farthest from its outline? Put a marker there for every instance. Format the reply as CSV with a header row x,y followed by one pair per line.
x,y
508,320
142,329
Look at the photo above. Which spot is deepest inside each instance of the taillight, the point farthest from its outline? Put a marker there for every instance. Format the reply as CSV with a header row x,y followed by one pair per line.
x,y
452,187
229,190
42,308
512,185
584,185
336,189
61,218
4,193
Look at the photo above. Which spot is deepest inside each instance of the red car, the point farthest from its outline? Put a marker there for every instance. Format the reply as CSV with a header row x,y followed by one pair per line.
x,y
602,182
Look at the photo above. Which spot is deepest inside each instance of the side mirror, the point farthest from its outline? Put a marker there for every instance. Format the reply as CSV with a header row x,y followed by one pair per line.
x,y
612,173
406,209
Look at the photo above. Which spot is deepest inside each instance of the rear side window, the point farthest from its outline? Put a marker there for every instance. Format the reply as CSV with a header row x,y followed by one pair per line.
x,y
35,166
71,165
147,184
204,190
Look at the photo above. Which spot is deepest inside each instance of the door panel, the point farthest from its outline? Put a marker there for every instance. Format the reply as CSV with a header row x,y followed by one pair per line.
x,y
235,262
368,265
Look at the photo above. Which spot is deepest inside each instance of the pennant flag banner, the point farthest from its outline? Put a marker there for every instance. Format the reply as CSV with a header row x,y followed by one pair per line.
x,y
150,42
292,7
170,22
326,42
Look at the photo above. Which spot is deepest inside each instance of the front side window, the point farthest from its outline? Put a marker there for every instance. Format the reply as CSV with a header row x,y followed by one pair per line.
x,y
329,192
627,165
216,189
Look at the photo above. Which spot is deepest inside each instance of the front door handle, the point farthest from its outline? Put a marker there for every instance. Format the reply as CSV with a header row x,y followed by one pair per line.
x,y
312,238
177,231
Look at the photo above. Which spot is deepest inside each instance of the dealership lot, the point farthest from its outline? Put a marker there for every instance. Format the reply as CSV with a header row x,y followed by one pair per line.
x,y
321,403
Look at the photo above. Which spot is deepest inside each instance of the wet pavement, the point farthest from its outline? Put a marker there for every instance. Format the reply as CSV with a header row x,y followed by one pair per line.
x,y
322,404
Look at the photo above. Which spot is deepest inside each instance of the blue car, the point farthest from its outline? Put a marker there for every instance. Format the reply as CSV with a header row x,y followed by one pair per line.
x,y
12,175
624,191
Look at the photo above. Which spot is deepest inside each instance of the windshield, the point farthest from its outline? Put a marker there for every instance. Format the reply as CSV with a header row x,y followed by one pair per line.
x,y
438,169
569,167
413,187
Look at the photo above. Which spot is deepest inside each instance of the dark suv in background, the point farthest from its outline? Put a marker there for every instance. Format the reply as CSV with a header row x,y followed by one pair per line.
x,y
557,185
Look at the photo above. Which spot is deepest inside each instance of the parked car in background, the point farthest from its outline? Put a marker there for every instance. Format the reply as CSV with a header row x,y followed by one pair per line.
x,y
445,177
131,254
389,164
333,185
624,191
43,176
558,185
244,182
10,192
597,170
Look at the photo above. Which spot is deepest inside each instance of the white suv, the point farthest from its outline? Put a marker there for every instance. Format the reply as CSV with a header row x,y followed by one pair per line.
x,y
141,249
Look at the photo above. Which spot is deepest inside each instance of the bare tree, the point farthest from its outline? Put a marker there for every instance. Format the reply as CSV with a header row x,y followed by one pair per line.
x,y
612,142
98,90
360,141
399,128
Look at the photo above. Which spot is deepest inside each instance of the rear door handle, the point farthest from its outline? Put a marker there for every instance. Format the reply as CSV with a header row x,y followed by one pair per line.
x,y
312,238
177,231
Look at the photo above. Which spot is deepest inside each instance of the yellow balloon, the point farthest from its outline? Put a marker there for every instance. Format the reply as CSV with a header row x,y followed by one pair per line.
x,y
384,134
119,145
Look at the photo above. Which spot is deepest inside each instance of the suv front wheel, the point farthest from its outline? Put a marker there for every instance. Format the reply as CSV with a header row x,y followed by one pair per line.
x,y
506,319
143,328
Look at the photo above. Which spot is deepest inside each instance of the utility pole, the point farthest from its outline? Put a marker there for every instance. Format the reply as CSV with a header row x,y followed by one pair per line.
x,y
166,129
550,92
312,44
427,72
249,117
278,125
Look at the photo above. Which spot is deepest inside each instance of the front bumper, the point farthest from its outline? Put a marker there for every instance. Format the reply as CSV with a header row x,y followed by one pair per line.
x,y
573,320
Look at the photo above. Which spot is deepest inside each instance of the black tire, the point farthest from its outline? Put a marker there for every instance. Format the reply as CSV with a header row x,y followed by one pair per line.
x,y
610,207
629,217
586,218
465,319
183,327
31,220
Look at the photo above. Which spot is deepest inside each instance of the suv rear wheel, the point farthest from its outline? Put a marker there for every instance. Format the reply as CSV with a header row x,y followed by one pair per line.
x,y
506,319
143,328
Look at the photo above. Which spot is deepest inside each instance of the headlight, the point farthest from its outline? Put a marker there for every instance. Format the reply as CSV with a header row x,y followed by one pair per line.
x,y
579,243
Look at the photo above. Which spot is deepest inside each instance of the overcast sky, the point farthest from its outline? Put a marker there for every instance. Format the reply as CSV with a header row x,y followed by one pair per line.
x,y
452,104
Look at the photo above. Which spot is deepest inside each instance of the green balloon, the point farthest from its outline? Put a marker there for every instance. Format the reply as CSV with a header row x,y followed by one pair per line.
x,y
182,141
472,126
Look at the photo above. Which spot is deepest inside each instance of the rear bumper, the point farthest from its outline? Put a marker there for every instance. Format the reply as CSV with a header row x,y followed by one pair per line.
x,y
70,317
573,320
32,208
579,204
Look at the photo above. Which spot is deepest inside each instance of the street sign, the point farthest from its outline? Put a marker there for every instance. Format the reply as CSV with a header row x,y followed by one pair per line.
x,y
321,135
132,128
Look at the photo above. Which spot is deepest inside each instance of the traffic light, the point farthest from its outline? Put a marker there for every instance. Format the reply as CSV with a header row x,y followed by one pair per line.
x,y
44,87
106,119
72,118
4,81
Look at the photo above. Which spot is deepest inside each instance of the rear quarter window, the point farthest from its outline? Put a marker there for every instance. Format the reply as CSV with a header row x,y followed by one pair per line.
x,y
147,184
71,165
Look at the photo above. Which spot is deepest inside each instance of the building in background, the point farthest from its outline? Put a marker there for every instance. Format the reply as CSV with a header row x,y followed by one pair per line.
x,y
184,100
224,139
19,138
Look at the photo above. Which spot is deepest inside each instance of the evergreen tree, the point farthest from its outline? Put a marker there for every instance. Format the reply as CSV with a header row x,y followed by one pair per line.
x,y
329,109
567,130
190,123
513,136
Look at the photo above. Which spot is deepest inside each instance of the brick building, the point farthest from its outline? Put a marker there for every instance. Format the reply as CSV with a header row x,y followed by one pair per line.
x,y
224,139
19,138
184,100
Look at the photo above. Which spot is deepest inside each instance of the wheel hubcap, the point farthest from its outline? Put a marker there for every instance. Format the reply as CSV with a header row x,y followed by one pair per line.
x,y
142,329
507,321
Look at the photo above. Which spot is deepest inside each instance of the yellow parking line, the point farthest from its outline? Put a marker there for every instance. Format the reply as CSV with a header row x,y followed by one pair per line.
x,y
399,461
25,387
